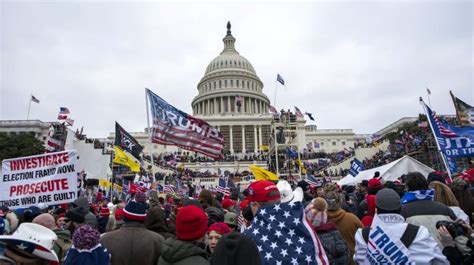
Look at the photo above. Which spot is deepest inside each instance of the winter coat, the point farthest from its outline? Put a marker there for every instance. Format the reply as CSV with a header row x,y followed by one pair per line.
x,y
334,246
427,213
133,244
177,252
156,221
347,224
460,214
83,207
423,250
63,244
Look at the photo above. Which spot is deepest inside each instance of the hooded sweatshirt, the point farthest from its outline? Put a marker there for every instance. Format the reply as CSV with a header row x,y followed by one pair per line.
x,y
347,224
177,252
156,221
236,249
83,208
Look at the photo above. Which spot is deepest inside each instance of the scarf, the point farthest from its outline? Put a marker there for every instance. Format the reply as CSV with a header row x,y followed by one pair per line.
x,y
391,249
417,195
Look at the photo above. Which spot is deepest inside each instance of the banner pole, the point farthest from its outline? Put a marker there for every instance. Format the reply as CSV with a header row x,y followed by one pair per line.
x,y
436,139
149,134
29,107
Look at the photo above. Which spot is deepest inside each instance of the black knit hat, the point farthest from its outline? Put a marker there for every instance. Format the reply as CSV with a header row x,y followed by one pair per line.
x,y
75,216
214,215
236,249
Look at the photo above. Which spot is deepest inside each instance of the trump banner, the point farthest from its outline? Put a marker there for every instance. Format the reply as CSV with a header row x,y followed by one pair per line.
x,y
48,178
172,126
356,167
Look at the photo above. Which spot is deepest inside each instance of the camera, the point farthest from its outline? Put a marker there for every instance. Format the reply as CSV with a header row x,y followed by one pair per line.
x,y
455,229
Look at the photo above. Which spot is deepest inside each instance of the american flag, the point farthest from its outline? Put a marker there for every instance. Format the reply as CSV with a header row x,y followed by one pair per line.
x,y
443,130
312,181
239,100
273,110
172,126
34,99
299,114
280,79
63,110
222,187
168,188
284,236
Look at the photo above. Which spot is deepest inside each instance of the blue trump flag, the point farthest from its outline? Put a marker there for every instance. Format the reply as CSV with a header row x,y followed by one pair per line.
x,y
356,167
453,141
284,236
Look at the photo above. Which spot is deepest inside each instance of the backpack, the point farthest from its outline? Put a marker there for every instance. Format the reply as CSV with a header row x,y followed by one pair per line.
x,y
407,237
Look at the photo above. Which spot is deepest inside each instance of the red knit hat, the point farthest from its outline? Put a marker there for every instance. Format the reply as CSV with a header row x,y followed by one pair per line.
x,y
263,191
227,203
191,223
220,227
119,213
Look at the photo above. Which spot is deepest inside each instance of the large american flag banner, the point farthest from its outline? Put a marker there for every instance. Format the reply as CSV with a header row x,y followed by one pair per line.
x,y
284,236
172,126
222,187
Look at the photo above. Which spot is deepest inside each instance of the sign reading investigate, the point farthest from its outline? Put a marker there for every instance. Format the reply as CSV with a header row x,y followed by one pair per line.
x,y
48,178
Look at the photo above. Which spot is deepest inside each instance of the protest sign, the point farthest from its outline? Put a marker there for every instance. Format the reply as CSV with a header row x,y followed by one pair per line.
x,y
48,178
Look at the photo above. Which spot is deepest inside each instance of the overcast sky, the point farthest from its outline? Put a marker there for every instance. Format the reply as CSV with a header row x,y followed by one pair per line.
x,y
359,65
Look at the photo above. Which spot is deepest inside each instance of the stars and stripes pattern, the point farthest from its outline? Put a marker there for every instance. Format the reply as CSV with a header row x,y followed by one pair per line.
x,y
63,110
239,100
312,181
298,112
284,236
172,126
168,188
272,110
443,130
222,187
280,79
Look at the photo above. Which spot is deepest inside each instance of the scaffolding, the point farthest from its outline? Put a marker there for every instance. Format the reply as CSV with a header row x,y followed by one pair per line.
x,y
284,151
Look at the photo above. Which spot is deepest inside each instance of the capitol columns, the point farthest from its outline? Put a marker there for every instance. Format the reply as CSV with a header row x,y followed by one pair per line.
x,y
228,106
243,140
231,136
260,134
222,104
255,138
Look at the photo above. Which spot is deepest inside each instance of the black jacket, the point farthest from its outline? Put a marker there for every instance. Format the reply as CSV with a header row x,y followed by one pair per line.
x,y
177,252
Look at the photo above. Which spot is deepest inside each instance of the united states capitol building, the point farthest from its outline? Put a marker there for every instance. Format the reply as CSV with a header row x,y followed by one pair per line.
x,y
230,97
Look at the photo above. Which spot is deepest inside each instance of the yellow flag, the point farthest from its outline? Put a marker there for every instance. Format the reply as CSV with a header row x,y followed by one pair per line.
x,y
125,159
303,170
262,174
104,183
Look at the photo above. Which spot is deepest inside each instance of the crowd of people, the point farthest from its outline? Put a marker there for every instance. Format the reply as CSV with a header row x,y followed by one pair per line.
x,y
414,220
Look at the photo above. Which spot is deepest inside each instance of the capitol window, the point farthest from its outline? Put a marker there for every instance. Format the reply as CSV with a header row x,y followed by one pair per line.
x,y
231,83
214,85
237,81
225,83
343,142
220,83
333,143
248,84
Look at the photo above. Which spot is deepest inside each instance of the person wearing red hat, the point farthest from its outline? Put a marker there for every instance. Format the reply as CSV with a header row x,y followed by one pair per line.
x,y
374,185
215,232
228,204
262,193
188,246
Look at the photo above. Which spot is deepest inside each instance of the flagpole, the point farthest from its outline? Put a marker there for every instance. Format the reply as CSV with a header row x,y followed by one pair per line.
x,y
274,97
149,135
29,107
436,139
428,93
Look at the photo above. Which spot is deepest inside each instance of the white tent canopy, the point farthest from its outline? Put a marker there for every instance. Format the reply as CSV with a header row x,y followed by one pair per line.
x,y
388,172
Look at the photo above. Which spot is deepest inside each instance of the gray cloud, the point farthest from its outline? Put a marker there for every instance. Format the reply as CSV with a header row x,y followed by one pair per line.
x,y
354,65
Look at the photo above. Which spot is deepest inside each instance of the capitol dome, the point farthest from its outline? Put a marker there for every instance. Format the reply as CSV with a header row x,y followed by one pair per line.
x,y
230,85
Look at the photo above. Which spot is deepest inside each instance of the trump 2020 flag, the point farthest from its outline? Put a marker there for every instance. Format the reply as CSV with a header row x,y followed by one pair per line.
x,y
284,236
172,126
356,167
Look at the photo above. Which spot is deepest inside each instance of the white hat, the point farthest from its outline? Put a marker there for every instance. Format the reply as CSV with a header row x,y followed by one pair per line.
x,y
287,194
35,239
